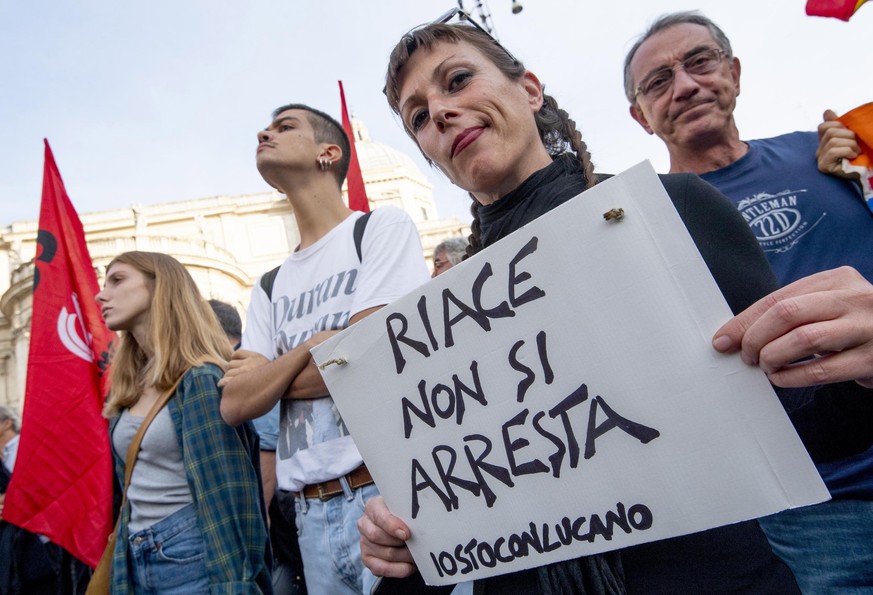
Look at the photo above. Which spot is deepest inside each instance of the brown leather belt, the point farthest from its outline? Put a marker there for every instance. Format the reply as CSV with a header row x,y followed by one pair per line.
x,y
328,489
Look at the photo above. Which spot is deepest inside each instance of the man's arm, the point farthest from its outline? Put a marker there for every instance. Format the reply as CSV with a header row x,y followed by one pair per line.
x,y
267,460
308,383
835,143
252,385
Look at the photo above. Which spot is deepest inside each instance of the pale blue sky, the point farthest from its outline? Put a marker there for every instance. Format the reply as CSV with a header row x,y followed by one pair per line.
x,y
158,101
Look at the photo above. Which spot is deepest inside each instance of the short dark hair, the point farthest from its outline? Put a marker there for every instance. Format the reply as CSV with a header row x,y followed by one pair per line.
x,y
327,130
666,21
228,318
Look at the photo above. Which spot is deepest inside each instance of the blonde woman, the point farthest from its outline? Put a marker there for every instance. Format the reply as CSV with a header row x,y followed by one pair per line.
x,y
193,520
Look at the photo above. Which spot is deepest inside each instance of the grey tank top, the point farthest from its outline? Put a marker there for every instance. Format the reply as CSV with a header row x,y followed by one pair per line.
x,y
159,485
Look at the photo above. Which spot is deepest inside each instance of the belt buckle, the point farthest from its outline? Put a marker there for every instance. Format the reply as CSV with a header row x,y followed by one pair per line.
x,y
321,494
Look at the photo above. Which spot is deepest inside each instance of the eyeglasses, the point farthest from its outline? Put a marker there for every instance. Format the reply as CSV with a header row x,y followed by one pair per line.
x,y
699,64
465,17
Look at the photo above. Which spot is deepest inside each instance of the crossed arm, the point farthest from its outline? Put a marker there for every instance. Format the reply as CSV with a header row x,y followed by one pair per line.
x,y
253,384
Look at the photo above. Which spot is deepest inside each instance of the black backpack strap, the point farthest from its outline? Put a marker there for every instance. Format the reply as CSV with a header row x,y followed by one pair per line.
x,y
360,226
267,280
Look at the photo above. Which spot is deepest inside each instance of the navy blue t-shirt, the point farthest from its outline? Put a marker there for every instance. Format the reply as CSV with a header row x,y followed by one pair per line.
x,y
806,222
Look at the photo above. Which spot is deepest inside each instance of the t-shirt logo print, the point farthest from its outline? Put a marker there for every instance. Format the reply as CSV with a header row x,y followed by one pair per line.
x,y
775,219
288,309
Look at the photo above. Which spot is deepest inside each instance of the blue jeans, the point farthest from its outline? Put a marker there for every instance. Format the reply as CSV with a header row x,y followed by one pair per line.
x,y
331,545
168,557
828,546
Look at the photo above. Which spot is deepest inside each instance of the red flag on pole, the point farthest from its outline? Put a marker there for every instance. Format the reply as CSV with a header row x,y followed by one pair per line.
x,y
357,193
838,9
62,483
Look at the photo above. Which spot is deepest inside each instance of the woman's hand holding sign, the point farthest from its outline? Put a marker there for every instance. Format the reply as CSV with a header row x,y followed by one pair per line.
x,y
383,541
828,315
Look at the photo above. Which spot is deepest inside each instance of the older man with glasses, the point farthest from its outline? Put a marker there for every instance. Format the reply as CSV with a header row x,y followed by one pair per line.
x,y
448,253
682,81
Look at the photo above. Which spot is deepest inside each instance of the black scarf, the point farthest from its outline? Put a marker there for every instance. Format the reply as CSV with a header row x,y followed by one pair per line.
x,y
600,574
553,185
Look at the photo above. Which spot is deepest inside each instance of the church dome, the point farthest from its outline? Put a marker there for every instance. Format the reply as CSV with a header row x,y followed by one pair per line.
x,y
381,161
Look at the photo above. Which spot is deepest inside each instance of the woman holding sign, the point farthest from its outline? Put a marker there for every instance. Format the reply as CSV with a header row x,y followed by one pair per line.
x,y
483,119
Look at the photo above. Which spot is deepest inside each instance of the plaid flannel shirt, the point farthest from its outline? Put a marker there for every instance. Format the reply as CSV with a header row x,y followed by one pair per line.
x,y
220,462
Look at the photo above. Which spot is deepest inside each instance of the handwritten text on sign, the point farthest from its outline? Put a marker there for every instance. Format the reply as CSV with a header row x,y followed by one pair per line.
x,y
557,396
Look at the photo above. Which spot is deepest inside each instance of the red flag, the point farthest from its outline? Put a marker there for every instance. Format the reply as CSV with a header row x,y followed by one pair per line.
x,y
838,9
357,193
62,483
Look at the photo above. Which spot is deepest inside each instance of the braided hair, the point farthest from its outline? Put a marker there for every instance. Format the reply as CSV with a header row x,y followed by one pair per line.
x,y
556,129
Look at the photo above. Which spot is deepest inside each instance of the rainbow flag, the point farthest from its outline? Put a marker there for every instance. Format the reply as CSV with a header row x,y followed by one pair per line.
x,y
860,121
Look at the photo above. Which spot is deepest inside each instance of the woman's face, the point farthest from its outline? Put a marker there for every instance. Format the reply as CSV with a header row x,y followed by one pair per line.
x,y
126,299
470,119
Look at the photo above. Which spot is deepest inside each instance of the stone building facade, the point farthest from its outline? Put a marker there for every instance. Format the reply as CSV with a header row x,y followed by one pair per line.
x,y
225,242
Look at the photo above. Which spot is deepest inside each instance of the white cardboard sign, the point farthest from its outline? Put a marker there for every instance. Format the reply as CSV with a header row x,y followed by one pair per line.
x,y
557,395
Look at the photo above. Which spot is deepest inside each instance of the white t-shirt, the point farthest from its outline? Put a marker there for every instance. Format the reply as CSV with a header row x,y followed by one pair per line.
x,y
321,288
